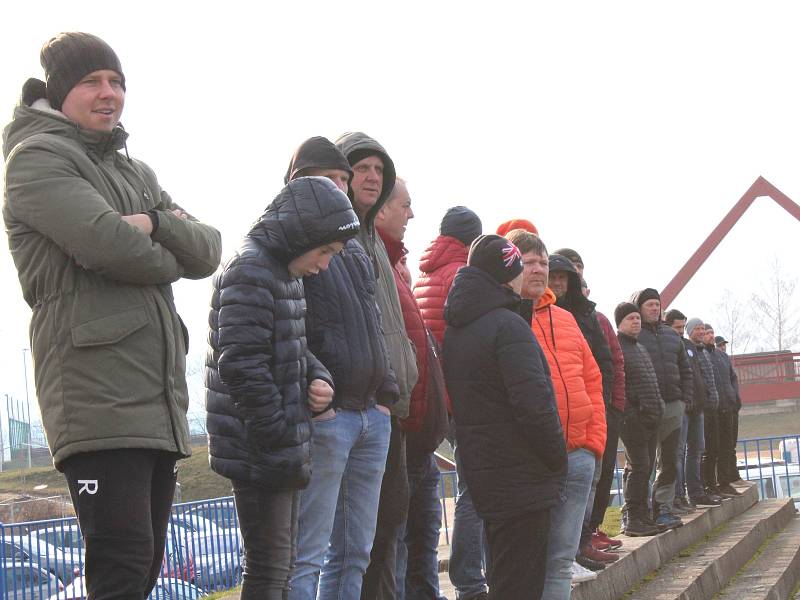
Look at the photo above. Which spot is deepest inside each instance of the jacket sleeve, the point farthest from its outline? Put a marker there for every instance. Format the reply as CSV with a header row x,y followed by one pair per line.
x,y
602,356
617,361
246,331
316,370
596,433
49,195
734,382
530,392
685,369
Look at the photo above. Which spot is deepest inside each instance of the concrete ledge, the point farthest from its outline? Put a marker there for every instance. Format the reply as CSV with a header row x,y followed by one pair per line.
x,y
714,562
644,555
775,573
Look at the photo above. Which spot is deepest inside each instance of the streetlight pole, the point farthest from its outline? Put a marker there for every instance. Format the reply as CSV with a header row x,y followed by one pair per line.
x,y
27,400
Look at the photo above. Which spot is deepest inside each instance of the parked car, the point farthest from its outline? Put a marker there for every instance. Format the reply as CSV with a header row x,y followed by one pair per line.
x,y
165,589
27,581
216,551
62,563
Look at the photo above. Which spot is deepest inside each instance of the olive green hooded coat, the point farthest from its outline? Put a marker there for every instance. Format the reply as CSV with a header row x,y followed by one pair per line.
x,y
108,345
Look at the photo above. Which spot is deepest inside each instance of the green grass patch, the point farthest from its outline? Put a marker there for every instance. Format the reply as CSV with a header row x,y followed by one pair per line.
x,y
612,522
226,595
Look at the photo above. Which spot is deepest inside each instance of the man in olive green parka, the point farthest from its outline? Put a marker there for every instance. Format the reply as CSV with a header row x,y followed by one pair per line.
x,y
97,243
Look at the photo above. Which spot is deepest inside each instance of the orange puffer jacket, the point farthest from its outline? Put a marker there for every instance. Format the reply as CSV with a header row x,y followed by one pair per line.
x,y
576,378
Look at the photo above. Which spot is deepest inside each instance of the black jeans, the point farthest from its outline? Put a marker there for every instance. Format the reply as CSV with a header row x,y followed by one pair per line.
x,y
380,579
710,460
518,551
640,455
603,493
268,522
728,431
123,500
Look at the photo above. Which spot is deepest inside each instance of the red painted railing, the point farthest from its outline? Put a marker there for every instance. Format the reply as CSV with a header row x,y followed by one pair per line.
x,y
768,376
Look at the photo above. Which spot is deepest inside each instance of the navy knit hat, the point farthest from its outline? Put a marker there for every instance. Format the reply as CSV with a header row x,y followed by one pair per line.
x,y
497,256
461,223
69,57
623,310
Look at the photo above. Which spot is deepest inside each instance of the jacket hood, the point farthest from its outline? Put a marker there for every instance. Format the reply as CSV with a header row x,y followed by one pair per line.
x,y
475,293
442,251
357,146
394,249
316,152
573,299
547,299
33,115
308,213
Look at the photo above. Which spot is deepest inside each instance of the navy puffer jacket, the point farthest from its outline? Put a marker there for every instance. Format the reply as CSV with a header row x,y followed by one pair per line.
x,y
258,365
507,424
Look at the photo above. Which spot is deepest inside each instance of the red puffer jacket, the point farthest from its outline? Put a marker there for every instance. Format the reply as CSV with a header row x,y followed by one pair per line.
x,y
415,330
438,266
576,378
618,360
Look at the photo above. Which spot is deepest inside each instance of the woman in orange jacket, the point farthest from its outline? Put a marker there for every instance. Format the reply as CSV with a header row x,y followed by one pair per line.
x,y
579,394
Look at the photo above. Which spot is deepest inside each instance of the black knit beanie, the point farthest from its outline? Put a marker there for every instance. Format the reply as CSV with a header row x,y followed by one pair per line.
x,y
646,294
69,57
497,256
623,310
461,223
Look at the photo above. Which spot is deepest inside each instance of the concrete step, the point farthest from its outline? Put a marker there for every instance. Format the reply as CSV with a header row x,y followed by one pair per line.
x,y
774,574
702,570
641,556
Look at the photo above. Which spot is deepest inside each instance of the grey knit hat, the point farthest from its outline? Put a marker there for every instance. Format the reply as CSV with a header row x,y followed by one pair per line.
x,y
692,324
69,57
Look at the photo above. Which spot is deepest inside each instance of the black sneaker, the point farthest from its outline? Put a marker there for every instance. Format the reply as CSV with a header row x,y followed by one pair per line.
x,y
706,500
588,563
730,490
639,528
666,519
713,493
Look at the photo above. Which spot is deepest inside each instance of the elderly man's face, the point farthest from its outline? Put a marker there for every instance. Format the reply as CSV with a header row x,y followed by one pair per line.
x,y
96,101
367,183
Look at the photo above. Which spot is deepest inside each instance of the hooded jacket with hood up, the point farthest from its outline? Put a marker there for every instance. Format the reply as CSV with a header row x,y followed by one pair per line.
x,y
438,266
509,434
669,359
343,323
577,382
258,366
107,342
585,315
357,146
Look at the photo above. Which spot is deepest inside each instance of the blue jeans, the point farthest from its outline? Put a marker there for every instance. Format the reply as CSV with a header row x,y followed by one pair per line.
x,y
340,505
566,520
586,530
690,451
418,543
467,549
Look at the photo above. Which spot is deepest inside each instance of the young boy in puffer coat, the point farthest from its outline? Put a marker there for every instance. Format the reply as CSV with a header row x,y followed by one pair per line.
x,y
507,424
261,379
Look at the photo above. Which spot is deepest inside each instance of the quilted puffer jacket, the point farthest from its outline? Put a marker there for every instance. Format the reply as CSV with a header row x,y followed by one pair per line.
x,y
643,400
577,381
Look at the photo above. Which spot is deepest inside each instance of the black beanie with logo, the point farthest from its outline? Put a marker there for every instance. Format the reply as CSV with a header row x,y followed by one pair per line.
x,y
497,256
69,57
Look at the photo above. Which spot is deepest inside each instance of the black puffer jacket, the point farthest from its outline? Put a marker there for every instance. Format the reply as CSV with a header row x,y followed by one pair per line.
x,y
700,391
507,424
707,368
726,380
643,400
585,315
669,360
258,366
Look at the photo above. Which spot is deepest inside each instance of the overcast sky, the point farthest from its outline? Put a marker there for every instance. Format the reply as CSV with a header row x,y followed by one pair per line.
x,y
625,130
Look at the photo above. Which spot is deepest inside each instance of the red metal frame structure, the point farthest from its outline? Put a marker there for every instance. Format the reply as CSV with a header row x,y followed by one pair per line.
x,y
761,187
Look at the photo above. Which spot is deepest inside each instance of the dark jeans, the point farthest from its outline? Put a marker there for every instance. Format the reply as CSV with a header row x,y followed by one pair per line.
x,y
518,553
640,454
123,500
268,522
728,430
708,466
417,559
380,578
602,495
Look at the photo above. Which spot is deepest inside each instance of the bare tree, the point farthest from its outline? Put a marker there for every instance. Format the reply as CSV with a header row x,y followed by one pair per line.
x,y
776,310
734,322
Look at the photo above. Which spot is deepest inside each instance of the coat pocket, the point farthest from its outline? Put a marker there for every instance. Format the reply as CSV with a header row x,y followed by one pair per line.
x,y
110,329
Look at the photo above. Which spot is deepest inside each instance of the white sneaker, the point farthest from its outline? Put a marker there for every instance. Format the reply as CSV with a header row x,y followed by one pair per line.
x,y
580,574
